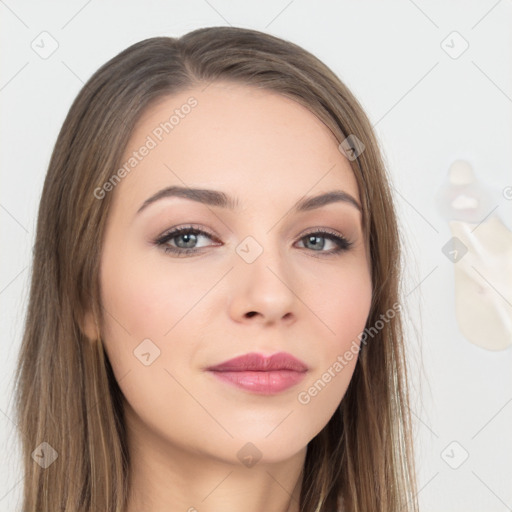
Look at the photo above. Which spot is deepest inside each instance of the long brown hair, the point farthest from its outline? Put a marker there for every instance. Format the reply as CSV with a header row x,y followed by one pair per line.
x,y
66,393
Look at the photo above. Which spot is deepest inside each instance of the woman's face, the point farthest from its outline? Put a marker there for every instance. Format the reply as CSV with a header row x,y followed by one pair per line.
x,y
255,280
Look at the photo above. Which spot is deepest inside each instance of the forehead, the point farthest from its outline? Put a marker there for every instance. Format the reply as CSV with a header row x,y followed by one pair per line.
x,y
249,142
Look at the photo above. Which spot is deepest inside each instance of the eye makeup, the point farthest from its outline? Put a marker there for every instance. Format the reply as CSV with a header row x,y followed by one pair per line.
x,y
190,234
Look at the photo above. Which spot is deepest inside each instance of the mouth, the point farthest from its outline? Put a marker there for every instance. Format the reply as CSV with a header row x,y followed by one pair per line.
x,y
260,374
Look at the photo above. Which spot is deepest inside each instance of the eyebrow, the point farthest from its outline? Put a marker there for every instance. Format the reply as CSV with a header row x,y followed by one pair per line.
x,y
222,200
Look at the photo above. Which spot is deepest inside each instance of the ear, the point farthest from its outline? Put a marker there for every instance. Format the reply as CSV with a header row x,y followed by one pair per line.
x,y
89,326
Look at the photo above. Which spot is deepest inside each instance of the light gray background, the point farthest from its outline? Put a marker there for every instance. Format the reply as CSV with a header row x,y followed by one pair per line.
x,y
428,109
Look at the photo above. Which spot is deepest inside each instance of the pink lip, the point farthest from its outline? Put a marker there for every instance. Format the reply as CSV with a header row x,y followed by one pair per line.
x,y
260,374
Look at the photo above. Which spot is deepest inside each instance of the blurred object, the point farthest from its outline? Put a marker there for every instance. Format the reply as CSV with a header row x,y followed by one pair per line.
x,y
481,250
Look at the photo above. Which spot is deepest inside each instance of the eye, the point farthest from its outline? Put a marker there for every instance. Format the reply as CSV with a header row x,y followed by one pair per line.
x,y
184,240
316,239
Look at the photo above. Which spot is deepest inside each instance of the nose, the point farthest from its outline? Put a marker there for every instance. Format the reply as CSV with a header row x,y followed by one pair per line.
x,y
263,291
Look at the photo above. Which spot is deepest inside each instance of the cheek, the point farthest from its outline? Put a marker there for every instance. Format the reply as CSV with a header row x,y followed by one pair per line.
x,y
149,299
149,318
342,302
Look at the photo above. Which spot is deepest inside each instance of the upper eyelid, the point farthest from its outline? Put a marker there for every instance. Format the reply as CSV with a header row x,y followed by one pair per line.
x,y
179,229
192,227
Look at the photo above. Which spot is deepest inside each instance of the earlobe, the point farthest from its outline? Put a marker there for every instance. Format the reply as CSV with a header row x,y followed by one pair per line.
x,y
89,326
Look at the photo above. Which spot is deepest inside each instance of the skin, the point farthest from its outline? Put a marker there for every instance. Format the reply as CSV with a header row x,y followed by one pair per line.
x,y
185,427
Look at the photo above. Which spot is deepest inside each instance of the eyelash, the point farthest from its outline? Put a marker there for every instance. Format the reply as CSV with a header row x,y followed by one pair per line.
x,y
342,243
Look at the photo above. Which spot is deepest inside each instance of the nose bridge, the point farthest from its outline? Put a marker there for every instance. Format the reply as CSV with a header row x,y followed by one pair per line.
x,y
263,250
263,280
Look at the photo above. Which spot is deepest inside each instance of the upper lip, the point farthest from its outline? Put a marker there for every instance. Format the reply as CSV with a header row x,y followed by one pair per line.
x,y
260,363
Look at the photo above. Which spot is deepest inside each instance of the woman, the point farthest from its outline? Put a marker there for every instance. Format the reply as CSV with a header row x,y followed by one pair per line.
x,y
214,320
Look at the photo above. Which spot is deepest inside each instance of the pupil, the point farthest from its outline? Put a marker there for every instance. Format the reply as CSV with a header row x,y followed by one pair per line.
x,y
312,240
186,236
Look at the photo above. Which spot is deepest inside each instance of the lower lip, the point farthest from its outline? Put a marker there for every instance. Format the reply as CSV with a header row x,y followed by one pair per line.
x,y
264,383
